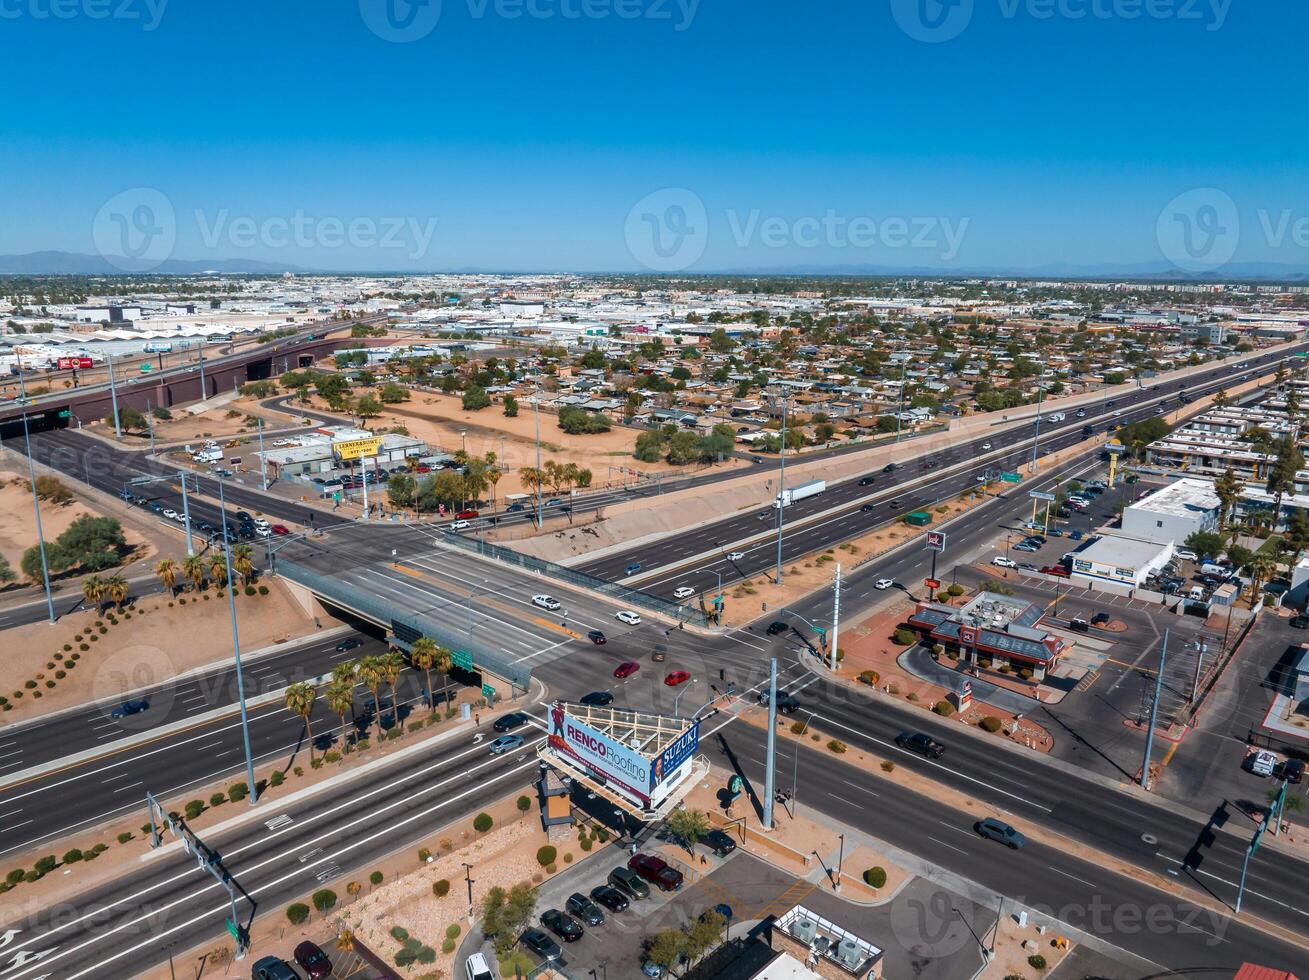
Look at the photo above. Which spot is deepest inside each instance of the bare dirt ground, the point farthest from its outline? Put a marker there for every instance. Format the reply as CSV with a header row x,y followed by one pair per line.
x,y
152,641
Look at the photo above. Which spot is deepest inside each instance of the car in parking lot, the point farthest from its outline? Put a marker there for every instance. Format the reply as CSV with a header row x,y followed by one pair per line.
x,y
719,842
128,708
676,677
1261,763
507,723
1003,562
1292,770
1300,622
627,668
628,617
310,957
562,925
1100,619
683,592
540,944
922,743
777,627
1057,570
506,743
656,871
273,968
597,699
883,583
585,909
735,555
545,602
1001,832
476,968
610,897
629,883
1026,546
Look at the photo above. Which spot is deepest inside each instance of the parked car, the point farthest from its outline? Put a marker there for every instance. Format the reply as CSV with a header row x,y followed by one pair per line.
x,y
1057,570
1300,622
777,627
920,742
597,699
998,830
476,968
311,958
627,668
1292,770
676,677
683,592
629,883
545,602
506,743
507,723
585,909
273,968
719,842
1261,763
1002,562
1026,546
562,925
656,871
628,617
540,944
610,897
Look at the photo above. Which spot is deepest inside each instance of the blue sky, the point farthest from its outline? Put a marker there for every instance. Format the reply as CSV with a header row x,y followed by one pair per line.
x,y
1034,136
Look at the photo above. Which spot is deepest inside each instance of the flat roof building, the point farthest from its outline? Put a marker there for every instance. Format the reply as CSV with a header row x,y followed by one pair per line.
x,y
991,627
1172,513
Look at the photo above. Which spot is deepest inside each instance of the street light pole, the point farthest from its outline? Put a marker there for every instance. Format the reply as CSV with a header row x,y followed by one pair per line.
x,y
536,411
36,508
795,763
781,495
1040,398
113,396
836,613
236,649
468,877
769,773
1154,714
899,413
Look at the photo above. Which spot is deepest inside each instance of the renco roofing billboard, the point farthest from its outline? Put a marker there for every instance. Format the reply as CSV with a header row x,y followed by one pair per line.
x,y
635,774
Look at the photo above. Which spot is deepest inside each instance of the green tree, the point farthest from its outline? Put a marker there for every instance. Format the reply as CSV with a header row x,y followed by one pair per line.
x,y
689,825
129,419
117,590
511,406
1228,487
91,543
340,697
704,934
53,489
300,699
422,652
166,569
93,590
505,914
649,446
1296,537
475,398
578,421
665,948
683,448
393,394
1205,543
369,670
391,665
7,574
368,407
1281,475
193,567
400,490
243,562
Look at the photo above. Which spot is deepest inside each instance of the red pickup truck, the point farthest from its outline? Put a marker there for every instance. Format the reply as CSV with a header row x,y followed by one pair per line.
x,y
656,871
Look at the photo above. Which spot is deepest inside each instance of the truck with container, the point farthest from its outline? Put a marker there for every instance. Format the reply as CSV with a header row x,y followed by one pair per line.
x,y
791,494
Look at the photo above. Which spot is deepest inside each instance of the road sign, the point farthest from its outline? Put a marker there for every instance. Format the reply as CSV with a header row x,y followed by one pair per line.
x,y
1040,495
488,691
932,583
147,368
65,414
936,540
1011,478
462,659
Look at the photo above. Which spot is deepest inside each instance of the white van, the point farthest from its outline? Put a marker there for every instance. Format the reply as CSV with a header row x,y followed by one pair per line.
x,y
476,969
1213,568
1196,593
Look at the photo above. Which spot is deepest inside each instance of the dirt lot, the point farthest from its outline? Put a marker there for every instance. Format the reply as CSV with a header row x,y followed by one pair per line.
x,y
142,648
18,529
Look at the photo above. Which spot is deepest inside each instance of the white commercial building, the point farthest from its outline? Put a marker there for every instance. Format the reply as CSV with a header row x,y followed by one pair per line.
x,y
1171,514
1119,560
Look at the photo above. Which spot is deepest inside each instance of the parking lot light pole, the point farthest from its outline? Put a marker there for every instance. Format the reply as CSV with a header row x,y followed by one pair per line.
x,y
468,877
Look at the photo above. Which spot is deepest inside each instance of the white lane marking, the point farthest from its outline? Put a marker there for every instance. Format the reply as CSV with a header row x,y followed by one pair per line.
x,y
944,844
1059,871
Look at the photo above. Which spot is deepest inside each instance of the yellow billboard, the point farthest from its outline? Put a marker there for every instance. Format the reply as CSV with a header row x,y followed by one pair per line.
x,y
356,448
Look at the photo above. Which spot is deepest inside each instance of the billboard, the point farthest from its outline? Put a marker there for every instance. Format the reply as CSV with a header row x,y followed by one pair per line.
x,y
65,363
667,762
936,540
622,767
356,448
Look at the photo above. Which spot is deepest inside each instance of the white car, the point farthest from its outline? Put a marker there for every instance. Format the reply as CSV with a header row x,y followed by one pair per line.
x,y
170,513
263,532
459,525
685,592
1186,555
986,445
545,602
735,555
628,617
883,583
1262,763
1003,562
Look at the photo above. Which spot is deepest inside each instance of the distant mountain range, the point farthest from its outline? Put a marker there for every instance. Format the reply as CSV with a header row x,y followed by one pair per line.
x,y
77,264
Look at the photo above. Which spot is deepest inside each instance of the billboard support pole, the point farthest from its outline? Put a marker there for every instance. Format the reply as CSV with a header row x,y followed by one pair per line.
x,y
1154,714
836,614
769,771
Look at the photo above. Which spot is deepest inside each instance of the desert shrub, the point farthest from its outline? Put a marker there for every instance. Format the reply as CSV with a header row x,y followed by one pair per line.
x,y
797,728
888,766
836,746
236,792
1025,673
483,822
124,837
905,637
73,856
194,808
441,888
586,843
217,799
956,590
297,912
1036,961
332,756
990,724
276,779
943,708
869,677
875,877
324,899
399,933
375,878
551,868
524,804
452,931
568,857
424,855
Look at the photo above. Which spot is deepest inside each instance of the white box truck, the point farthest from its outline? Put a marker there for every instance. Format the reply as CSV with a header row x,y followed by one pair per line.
x,y
791,494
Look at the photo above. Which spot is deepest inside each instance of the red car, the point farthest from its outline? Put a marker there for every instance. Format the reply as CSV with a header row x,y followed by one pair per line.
x,y
627,668
310,958
656,871
1058,570
279,529
677,677
466,514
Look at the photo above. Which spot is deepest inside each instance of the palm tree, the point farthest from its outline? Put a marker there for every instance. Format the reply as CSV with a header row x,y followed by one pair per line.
x,y
1281,475
345,941
493,476
93,590
347,671
1228,487
1261,568
370,672
423,654
218,567
242,563
445,661
341,701
300,701
117,589
391,665
167,570
193,567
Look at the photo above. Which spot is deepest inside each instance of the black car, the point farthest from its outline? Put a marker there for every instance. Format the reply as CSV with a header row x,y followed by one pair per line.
x,y
128,708
921,743
611,898
786,703
719,842
895,505
272,968
507,723
585,909
868,508
350,644
244,517
1079,625
777,627
596,637
1300,622
562,925
1292,770
1099,619
866,481
598,699
890,468
540,944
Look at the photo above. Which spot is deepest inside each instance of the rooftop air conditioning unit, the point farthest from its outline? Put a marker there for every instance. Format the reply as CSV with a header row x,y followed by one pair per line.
x,y
849,955
804,930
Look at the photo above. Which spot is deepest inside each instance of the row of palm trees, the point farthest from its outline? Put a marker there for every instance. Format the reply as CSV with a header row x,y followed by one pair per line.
x,y
111,588
201,569
374,672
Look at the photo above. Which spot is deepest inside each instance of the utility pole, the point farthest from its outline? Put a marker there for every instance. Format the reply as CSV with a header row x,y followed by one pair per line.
x,y
769,771
836,613
36,506
263,463
236,649
1154,713
1040,398
781,495
204,390
186,516
536,411
899,412
113,396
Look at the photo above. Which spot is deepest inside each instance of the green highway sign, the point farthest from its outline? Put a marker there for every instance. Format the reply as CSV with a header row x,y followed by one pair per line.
x,y
820,630
462,660
1011,478
488,691
233,929
717,600
65,414
147,368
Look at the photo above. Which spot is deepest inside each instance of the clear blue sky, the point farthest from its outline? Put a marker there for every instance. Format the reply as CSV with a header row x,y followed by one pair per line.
x,y
1036,139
